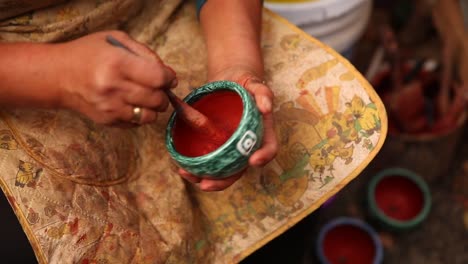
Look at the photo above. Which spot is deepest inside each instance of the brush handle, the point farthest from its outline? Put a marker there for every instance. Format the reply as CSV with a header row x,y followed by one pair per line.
x,y
391,46
195,119
114,42
190,115
418,66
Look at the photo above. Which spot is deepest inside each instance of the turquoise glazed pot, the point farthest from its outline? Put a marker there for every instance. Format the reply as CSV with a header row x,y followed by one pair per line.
x,y
404,190
233,156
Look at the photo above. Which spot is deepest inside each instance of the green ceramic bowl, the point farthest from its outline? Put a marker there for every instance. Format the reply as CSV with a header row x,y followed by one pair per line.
x,y
233,155
400,179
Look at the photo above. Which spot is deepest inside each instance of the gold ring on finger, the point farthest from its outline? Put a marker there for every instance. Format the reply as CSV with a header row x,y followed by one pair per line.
x,y
137,113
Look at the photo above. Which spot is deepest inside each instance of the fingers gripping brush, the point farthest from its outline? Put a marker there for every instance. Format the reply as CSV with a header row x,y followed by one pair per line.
x,y
194,118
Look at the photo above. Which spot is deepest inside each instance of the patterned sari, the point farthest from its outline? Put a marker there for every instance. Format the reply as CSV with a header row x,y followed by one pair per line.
x,y
85,193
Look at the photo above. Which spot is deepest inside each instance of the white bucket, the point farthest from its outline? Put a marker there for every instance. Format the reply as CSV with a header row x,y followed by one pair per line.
x,y
337,23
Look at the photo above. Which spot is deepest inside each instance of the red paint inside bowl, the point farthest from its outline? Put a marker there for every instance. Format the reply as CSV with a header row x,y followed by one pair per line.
x,y
348,244
399,198
223,108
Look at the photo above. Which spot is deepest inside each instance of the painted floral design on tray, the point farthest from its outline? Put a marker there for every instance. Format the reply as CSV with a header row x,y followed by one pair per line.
x,y
312,140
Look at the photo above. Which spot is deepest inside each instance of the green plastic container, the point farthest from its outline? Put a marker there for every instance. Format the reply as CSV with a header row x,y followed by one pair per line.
x,y
385,220
233,156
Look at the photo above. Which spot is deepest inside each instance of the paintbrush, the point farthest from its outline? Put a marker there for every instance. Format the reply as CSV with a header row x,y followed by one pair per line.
x,y
190,115
391,46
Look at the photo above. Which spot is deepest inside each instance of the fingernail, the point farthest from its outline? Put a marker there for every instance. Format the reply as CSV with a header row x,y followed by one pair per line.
x,y
174,83
266,104
210,188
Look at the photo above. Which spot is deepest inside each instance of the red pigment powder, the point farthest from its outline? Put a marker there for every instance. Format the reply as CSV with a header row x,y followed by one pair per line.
x,y
399,198
222,108
348,244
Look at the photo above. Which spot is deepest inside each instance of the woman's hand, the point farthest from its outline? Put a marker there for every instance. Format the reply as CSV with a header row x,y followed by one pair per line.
x,y
264,100
107,83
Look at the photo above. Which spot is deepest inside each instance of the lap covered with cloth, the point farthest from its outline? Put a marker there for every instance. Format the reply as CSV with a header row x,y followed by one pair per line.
x,y
86,193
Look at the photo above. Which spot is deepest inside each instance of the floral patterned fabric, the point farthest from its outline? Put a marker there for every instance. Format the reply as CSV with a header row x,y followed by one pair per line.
x,y
9,8
144,19
91,194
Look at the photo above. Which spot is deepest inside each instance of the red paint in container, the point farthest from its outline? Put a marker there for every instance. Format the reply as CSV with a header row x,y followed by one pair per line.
x,y
399,198
222,108
348,244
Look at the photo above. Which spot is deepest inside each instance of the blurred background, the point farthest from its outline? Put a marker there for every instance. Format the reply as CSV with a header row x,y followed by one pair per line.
x,y
410,205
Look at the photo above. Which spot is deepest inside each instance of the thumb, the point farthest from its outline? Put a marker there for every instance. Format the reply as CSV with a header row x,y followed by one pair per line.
x,y
262,94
